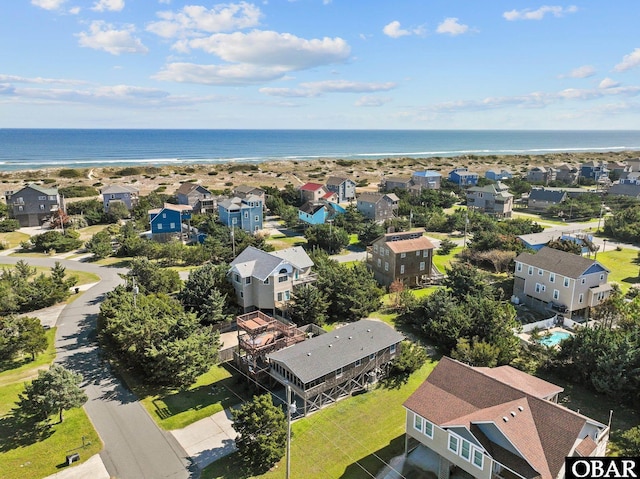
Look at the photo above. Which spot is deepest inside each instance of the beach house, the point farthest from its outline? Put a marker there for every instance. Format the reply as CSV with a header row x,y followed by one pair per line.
x,y
197,196
463,177
378,206
494,199
170,222
468,422
244,213
344,188
126,194
32,205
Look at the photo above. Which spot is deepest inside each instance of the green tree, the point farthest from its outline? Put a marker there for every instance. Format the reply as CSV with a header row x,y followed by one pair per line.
x,y
464,279
476,353
32,336
446,247
117,211
330,238
151,278
100,244
369,232
262,433
53,391
308,305
630,443
57,241
205,293
411,358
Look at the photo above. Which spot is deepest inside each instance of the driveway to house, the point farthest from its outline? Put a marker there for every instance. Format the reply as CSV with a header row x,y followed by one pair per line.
x,y
134,446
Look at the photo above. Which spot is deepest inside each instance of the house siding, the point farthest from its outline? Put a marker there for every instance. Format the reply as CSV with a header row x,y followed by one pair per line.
x,y
32,206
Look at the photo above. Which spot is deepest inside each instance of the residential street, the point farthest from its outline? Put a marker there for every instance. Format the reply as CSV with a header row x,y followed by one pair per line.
x,y
134,446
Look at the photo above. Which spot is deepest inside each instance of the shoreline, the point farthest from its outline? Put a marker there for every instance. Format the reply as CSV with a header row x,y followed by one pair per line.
x,y
278,173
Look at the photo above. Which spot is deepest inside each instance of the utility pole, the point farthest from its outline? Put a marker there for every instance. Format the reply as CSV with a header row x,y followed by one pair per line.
x,y
233,240
466,223
290,407
600,218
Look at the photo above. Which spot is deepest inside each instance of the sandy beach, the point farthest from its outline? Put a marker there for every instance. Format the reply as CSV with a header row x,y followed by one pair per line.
x,y
219,177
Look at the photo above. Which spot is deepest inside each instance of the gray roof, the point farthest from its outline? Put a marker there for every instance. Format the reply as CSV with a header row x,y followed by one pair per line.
x,y
540,238
336,180
248,189
560,262
186,188
260,264
624,190
44,191
311,208
542,194
114,189
327,353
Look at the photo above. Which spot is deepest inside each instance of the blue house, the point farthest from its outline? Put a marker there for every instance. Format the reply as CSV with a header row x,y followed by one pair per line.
x,y
595,170
168,222
318,213
243,213
498,176
463,177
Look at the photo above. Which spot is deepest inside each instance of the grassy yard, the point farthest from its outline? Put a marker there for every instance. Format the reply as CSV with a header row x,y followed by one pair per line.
x,y
13,239
174,409
83,277
624,266
281,241
116,262
441,261
26,451
89,231
348,439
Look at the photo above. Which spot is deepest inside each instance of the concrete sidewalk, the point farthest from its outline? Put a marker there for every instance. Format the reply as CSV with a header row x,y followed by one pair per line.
x,y
92,468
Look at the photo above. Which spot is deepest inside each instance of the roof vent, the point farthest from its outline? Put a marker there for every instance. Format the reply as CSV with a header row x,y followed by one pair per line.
x,y
368,330
520,408
308,354
331,345
337,337
350,337
513,414
505,418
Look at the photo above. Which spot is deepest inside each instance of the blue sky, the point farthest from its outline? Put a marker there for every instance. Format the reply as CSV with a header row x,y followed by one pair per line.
x,y
344,64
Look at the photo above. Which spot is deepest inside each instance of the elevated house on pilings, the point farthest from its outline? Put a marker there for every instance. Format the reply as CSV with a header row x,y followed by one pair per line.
x,y
329,367
260,334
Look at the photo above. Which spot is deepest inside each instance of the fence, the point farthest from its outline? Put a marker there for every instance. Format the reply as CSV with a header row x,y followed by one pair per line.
x,y
544,324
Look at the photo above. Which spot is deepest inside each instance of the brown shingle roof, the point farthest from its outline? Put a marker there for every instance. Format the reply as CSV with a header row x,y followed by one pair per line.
x,y
543,432
408,245
560,262
586,447
524,382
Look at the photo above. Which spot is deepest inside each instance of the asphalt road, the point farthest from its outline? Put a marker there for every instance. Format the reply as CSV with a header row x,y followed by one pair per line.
x,y
134,446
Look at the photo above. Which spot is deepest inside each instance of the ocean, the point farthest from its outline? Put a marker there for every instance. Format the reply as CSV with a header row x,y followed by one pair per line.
x,y
34,149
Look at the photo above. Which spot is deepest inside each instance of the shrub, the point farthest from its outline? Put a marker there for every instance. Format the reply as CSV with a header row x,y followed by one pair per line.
x,y
71,173
9,225
129,171
78,191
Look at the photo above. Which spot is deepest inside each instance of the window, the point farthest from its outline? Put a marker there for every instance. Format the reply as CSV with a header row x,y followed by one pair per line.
x,y
52,198
552,277
540,272
386,266
246,214
266,281
392,349
234,221
465,450
403,255
257,218
581,298
237,278
20,208
375,248
279,296
379,263
282,279
602,277
453,443
339,373
428,429
422,265
42,207
417,253
530,271
172,225
518,266
478,458
417,422
164,215
556,294
387,252
425,253
358,362
159,226
583,280
287,295
401,269
566,282
372,356
247,280
42,198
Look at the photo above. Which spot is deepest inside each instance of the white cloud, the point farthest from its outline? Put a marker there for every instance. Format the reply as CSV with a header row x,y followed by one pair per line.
x,y
608,83
393,30
539,14
193,20
48,4
372,101
629,61
104,36
273,49
238,74
40,80
584,71
314,89
74,10
451,26
108,6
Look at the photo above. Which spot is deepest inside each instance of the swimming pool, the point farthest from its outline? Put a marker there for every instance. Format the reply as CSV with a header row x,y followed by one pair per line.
x,y
554,338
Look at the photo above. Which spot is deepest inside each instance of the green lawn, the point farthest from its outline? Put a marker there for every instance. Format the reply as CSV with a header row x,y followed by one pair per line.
x,y
83,276
24,452
89,231
280,241
347,439
624,266
440,261
213,392
13,239
116,262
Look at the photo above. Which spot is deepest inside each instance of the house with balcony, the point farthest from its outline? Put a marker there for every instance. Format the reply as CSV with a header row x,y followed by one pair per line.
x,y
494,199
126,194
243,191
335,365
198,197
319,213
344,188
405,256
552,281
265,280
378,206
541,174
597,171
390,183
244,213
463,177
170,222
33,205
494,423
427,179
